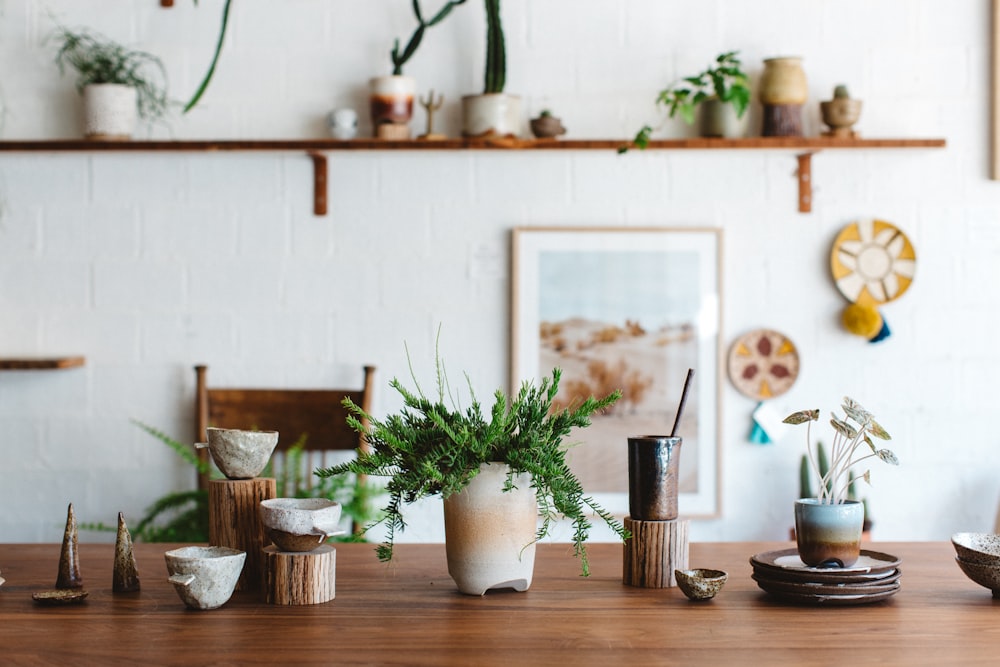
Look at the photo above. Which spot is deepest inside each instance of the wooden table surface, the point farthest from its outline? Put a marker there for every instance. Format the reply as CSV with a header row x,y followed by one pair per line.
x,y
410,613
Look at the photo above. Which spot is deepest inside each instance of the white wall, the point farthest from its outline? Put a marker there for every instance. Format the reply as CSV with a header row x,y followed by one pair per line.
x,y
151,263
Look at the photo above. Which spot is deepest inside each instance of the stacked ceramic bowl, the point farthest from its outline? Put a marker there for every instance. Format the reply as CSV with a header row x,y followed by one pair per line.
x,y
979,558
783,575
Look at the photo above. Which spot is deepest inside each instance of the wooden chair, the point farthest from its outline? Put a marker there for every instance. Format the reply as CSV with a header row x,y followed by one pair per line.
x,y
316,415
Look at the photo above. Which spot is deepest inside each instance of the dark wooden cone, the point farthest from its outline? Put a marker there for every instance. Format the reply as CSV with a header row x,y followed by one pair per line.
x,y
654,551
69,558
234,521
300,577
126,576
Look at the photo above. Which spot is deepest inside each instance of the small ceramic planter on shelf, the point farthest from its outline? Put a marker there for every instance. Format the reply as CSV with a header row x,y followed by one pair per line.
x,y
491,115
109,111
490,533
828,534
719,119
391,104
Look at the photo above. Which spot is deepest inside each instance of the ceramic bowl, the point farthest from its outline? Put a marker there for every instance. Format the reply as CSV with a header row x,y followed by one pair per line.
x,y
700,584
240,454
204,577
984,575
299,524
977,547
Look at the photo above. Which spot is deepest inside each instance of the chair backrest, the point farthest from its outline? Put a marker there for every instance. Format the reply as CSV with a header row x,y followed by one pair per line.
x,y
317,415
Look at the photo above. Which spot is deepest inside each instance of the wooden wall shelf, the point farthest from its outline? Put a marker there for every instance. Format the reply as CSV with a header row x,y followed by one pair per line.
x,y
39,363
316,149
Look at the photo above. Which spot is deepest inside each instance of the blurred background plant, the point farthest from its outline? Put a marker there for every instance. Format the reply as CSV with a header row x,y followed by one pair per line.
x,y
182,516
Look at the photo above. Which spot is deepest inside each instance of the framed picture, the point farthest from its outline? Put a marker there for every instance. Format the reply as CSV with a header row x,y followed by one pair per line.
x,y
629,308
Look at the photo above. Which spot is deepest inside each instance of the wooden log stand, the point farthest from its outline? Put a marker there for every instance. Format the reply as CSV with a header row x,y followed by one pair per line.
x,y
654,551
234,521
295,578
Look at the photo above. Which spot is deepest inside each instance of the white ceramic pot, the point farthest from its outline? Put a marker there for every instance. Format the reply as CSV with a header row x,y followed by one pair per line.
x,y
493,114
719,119
109,111
490,534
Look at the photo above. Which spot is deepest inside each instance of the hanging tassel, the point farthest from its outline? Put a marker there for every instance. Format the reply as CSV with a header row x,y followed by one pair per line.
x,y
882,334
758,435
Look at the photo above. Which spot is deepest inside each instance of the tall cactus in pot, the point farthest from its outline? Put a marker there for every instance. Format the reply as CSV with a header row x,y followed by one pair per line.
x,y
496,50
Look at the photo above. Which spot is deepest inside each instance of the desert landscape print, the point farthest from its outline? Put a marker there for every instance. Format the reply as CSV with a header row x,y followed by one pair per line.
x,y
623,319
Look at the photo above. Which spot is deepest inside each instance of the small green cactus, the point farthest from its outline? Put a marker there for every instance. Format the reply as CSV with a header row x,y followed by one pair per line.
x,y
840,92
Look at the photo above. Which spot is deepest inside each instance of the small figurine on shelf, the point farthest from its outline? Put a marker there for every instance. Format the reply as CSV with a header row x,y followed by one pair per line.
x,y
840,113
547,126
343,123
430,106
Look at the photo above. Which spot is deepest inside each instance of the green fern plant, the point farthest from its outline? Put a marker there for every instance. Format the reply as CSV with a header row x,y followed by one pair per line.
x,y
97,59
435,448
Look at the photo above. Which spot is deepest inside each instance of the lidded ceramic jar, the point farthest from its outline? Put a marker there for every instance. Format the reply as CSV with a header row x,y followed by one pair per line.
x,y
783,81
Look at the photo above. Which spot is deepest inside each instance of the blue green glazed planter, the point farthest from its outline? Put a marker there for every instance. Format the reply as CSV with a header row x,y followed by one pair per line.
x,y
829,535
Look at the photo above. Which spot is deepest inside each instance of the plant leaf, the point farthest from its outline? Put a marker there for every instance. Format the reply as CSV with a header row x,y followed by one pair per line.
x,y
801,417
876,429
844,428
888,457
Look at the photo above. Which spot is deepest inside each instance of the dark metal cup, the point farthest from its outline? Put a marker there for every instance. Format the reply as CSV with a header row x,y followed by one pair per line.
x,y
653,462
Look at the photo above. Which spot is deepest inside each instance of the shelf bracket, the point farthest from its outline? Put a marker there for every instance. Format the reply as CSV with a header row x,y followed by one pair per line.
x,y
805,182
319,182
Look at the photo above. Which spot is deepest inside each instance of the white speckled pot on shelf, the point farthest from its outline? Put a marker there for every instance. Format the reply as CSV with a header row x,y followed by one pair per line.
x,y
204,577
109,111
300,524
491,115
490,534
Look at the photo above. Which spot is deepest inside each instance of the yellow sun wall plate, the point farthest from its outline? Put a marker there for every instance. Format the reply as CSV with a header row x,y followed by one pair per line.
x,y
872,262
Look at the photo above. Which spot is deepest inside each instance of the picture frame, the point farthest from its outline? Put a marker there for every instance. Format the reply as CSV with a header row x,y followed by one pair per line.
x,y
633,308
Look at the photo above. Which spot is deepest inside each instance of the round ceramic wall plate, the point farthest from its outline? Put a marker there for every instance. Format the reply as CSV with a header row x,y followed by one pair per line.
x,y
763,364
872,262
788,560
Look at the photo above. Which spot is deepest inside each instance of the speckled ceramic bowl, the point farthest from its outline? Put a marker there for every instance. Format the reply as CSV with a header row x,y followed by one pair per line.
x,y
240,454
984,575
977,547
700,584
204,577
299,524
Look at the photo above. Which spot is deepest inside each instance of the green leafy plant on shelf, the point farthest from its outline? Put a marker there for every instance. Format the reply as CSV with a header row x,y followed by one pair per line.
x,y
434,447
97,59
852,444
399,58
725,81
182,516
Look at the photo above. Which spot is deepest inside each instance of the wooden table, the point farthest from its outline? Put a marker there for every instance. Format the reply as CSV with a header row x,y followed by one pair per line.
x,y
411,614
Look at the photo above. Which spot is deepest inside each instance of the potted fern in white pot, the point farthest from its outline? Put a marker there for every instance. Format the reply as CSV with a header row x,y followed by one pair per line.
x,y
503,476
118,84
828,527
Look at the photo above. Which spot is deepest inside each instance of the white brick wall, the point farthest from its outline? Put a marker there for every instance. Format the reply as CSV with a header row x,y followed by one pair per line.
x,y
151,263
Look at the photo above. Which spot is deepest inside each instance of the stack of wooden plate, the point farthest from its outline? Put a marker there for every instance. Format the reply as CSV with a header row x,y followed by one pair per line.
x,y
783,575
